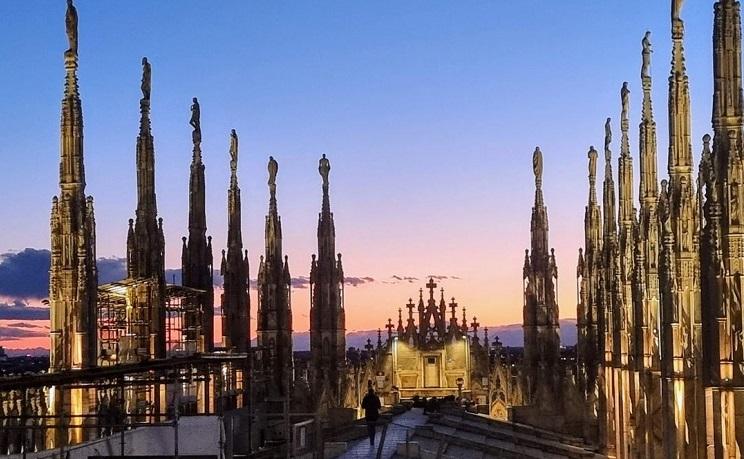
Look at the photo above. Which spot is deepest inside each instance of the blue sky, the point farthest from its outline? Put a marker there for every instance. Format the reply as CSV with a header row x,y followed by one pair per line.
x,y
428,110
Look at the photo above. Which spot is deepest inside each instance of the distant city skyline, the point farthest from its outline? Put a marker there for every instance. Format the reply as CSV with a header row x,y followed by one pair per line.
x,y
429,115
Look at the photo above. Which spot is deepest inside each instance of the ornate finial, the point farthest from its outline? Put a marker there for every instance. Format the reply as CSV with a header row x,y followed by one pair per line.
x,y
324,167
146,79
646,54
233,152
537,166
71,23
608,140
195,121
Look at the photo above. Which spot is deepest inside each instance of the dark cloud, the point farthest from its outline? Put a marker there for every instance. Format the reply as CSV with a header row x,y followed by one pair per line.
x,y
409,279
300,282
357,281
18,310
25,325
11,333
25,274
442,277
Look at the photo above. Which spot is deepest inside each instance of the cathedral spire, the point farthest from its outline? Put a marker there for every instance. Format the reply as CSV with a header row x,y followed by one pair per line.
x,y
234,269
608,195
649,188
196,259
625,165
680,146
541,330
148,247
274,305
73,277
327,315
539,225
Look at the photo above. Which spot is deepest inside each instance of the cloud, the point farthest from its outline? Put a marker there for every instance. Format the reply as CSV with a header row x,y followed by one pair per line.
x,y
300,282
25,325
8,333
18,310
25,274
357,281
409,279
442,277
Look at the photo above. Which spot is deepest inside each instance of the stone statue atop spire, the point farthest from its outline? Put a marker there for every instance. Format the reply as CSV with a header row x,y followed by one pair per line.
x,y
608,139
324,168
71,23
646,55
537,166
195,121
592,164
233,153
273,169
624,93
146,85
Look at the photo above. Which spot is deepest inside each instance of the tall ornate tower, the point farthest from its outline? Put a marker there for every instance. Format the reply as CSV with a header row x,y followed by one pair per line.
x,y
145,241
679,267
541,328
327,315
590,318
612,299
196,254
722,258
274,301
73,277
236,302
627,222
646,284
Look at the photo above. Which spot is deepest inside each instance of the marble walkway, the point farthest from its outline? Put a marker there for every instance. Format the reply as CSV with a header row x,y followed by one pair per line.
x,y
396,433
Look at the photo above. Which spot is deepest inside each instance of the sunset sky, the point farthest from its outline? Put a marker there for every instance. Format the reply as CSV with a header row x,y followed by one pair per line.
x,y
429,112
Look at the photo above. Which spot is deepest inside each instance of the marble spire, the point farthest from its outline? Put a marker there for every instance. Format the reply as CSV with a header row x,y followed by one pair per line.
x,y
235,267
73,277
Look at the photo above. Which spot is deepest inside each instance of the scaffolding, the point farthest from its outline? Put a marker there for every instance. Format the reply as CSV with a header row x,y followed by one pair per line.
x,y
129,313
60,409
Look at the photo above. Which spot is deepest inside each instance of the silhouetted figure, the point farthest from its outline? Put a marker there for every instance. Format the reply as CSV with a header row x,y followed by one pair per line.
x,y
371,405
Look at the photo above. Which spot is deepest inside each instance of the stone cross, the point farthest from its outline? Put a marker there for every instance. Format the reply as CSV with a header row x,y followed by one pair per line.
x,y
453,306
390,326
431,286
410,307
369,346
379,338
475,325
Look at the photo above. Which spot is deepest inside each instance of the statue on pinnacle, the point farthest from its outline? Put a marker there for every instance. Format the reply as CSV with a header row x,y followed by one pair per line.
x,y
646,54
146,79
324,167
608,139
195,121
71,23
537,165
233,151
273,169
